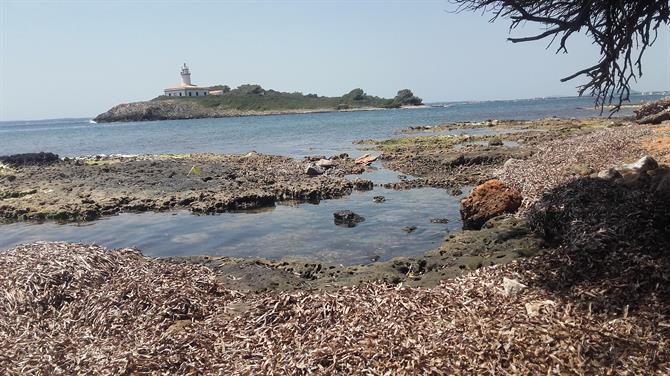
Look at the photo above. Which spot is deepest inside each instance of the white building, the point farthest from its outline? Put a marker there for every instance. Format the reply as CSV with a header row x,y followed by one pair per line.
x,y
186,89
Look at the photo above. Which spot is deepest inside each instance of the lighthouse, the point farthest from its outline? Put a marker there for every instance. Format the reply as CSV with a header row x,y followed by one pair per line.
x,y
186,88
185,76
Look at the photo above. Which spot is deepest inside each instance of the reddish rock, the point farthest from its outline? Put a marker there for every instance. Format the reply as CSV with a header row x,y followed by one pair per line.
x,y
365,159
486,201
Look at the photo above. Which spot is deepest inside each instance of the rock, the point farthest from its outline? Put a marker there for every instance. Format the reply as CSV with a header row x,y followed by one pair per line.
x,y
512,286
495,143
581,170
633,178
325,163
609,174
379,199
409,229
347,218
365,159
487,201
30,159
363,184
456,192
644,164
420,128
660,182
654,112
439,220
314,170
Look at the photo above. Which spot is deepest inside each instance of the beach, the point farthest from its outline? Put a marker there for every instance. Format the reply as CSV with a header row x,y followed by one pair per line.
x,y
567,281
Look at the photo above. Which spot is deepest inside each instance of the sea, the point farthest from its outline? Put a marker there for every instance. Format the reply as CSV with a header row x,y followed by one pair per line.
x,y
285,230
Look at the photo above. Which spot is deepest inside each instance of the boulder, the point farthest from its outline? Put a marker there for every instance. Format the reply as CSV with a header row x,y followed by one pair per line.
x,y
609,174
379,199
325,163
654,112
313,170
347,218
487,201
643,164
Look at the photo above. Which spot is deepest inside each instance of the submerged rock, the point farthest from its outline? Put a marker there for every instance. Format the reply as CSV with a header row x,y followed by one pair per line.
x,y
487,201
347,218
439,220
409,229
363,184
379,199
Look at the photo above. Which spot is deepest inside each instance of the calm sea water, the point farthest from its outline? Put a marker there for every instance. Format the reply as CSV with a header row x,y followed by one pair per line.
x,y
300,230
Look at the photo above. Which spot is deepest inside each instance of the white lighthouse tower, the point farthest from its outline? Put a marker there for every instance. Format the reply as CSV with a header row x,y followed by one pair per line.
x,y
185,76
186,88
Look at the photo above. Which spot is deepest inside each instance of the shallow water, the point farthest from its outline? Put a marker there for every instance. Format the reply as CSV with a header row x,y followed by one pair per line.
x,y
298,230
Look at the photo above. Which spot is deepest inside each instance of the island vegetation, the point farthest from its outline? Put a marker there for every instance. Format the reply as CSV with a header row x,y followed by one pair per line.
x,y
255,98
251,99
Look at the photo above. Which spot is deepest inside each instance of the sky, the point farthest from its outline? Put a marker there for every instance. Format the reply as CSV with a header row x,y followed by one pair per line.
x,y
72,58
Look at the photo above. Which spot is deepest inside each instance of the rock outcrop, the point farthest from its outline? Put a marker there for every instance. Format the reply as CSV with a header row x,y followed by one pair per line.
x,y
654,112
168,109
30,159
487,201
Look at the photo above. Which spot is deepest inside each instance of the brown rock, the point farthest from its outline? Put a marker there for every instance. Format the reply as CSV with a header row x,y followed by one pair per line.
x,y
486,201
365,159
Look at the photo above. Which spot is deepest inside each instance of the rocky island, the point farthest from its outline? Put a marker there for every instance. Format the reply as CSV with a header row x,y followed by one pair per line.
x,y
247,100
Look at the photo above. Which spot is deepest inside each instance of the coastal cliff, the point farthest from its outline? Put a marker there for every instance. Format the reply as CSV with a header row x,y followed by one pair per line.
x,y
248,100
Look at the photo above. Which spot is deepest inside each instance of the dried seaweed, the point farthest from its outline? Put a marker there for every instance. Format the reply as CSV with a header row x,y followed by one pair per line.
x,y
552,163
76,309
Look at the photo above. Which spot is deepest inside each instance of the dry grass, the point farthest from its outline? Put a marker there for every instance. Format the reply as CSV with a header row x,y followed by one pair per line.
x,y
76,309
553,162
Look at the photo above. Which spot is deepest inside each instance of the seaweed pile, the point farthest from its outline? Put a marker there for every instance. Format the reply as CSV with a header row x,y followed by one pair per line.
x,y
565,160
74,309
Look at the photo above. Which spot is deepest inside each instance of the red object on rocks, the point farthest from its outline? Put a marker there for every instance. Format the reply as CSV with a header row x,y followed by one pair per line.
x,y
486,201
365,159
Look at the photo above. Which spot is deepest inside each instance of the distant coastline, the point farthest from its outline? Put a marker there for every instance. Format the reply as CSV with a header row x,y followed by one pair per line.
x,y
252,100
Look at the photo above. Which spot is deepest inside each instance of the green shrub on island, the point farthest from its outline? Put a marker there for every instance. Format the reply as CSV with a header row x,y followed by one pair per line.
x,y
252,97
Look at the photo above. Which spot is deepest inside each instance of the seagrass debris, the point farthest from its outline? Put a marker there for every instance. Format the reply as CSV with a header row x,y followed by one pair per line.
x,y
553,162
82,309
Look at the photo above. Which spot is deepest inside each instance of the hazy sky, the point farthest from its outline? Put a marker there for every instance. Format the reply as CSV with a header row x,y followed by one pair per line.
x,y
79,58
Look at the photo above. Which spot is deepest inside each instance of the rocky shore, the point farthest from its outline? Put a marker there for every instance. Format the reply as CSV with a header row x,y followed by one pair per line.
x,y
174,109
563,267
87,188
